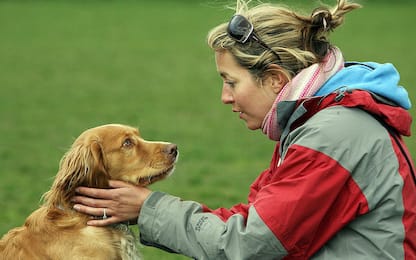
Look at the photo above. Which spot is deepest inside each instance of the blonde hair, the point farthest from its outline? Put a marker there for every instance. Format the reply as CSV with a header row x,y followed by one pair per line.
x,y
299,40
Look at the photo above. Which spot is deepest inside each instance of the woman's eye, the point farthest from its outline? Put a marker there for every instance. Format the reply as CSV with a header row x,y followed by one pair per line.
x,y
128,142
231,84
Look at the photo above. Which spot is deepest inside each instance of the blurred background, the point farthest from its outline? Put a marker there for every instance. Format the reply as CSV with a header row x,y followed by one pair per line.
x,y
66,66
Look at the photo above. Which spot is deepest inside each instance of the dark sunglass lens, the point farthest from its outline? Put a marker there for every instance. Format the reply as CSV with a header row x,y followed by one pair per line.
x,y
240,28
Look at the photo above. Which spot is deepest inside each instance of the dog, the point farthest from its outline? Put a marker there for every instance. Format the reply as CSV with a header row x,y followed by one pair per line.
x,y
100,154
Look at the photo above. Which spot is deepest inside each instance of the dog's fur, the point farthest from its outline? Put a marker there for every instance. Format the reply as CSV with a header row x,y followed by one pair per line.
x,y
56,231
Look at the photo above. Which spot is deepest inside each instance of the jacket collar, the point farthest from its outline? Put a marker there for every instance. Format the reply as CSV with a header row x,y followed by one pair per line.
x,y
292,114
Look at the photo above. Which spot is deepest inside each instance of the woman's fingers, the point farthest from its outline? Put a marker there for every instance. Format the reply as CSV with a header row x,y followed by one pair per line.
x,y
92,202
98,218
122,202
119,184
102,222
93,209
94,193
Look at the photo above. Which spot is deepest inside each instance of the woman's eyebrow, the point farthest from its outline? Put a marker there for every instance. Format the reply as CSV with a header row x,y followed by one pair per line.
x,y
224,74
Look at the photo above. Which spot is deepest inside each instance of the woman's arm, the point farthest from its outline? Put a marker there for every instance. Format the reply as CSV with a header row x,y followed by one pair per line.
x,y
184,227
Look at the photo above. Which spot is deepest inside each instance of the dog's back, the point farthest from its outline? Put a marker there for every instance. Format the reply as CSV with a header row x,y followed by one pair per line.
x,y
56,234
22,242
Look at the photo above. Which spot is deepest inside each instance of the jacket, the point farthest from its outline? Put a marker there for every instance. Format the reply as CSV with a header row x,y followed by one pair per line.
x,y
339,186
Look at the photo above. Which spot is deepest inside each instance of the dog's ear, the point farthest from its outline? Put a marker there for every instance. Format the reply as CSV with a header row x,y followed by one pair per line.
x,y
82,165
99,176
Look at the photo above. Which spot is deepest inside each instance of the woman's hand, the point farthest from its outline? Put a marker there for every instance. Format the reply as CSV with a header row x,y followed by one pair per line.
x,y
119,204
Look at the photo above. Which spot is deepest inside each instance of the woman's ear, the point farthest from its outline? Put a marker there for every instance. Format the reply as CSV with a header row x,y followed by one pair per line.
x,y
276,78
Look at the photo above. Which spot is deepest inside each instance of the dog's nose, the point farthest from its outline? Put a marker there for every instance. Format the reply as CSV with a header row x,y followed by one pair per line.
x,y
172,149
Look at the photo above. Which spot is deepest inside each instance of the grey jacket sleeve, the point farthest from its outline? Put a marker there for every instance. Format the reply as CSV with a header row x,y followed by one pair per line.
x,y
180,226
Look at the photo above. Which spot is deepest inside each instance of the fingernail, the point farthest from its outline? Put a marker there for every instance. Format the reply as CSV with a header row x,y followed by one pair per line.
x,y
76,207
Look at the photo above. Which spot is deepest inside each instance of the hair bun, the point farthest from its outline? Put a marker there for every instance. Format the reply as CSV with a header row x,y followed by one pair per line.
x,y
321,18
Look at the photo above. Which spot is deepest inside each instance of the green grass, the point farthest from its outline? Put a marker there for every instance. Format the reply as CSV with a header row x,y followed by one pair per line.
x,y
69,65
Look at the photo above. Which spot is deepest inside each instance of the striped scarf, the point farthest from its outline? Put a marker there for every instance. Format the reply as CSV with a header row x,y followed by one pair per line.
x,y
305,84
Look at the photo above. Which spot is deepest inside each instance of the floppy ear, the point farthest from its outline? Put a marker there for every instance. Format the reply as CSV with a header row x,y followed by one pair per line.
x,y
82,165
99,176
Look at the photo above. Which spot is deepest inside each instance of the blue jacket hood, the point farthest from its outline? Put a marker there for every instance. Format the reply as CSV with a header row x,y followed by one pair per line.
x,y
381,79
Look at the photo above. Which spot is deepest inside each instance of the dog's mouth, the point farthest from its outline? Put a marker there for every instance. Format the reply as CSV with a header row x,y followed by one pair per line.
x,y
147,180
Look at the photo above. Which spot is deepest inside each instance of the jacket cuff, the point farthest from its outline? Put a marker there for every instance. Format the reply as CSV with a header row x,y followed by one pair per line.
x,y
146,221
147,215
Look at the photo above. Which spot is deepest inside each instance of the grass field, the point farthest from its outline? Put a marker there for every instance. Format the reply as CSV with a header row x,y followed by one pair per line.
x,y
69,65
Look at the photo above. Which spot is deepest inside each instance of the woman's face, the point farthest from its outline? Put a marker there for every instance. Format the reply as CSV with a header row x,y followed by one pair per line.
x,y
247,97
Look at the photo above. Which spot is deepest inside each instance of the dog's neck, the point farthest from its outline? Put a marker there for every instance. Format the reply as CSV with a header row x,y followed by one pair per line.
x,y
60,196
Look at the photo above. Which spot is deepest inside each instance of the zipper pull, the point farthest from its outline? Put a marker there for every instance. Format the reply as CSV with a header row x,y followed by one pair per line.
x,y
340,95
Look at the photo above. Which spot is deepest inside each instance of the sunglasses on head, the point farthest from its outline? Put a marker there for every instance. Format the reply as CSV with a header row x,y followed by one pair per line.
x,y
241,30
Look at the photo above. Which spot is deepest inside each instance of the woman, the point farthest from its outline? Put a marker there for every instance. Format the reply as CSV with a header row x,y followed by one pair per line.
x,y
341,183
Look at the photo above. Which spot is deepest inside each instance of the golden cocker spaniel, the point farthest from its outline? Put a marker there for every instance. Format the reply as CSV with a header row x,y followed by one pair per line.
x,y
100,154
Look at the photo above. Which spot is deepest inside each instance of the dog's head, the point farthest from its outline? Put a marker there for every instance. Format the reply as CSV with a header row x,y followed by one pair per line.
x,y
111,152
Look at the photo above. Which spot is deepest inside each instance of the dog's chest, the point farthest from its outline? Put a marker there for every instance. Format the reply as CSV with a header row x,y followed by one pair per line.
x,y
128,245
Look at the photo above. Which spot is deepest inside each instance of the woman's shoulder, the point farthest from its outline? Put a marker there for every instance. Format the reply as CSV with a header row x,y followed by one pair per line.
x,y
338,123
345,134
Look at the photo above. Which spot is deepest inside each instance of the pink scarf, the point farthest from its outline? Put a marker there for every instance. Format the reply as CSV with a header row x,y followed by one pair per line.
x,y
305,84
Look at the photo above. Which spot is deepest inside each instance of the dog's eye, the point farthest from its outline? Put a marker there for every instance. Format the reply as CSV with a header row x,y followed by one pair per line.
x,y
128,142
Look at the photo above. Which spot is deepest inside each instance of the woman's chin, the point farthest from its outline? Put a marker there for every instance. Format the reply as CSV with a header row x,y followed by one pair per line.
x,y
253,126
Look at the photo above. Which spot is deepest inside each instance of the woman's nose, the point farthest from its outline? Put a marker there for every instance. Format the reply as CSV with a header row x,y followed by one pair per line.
x,y
226,96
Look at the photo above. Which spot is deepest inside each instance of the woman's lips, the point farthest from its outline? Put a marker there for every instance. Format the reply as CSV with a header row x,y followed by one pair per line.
x,y
239,113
